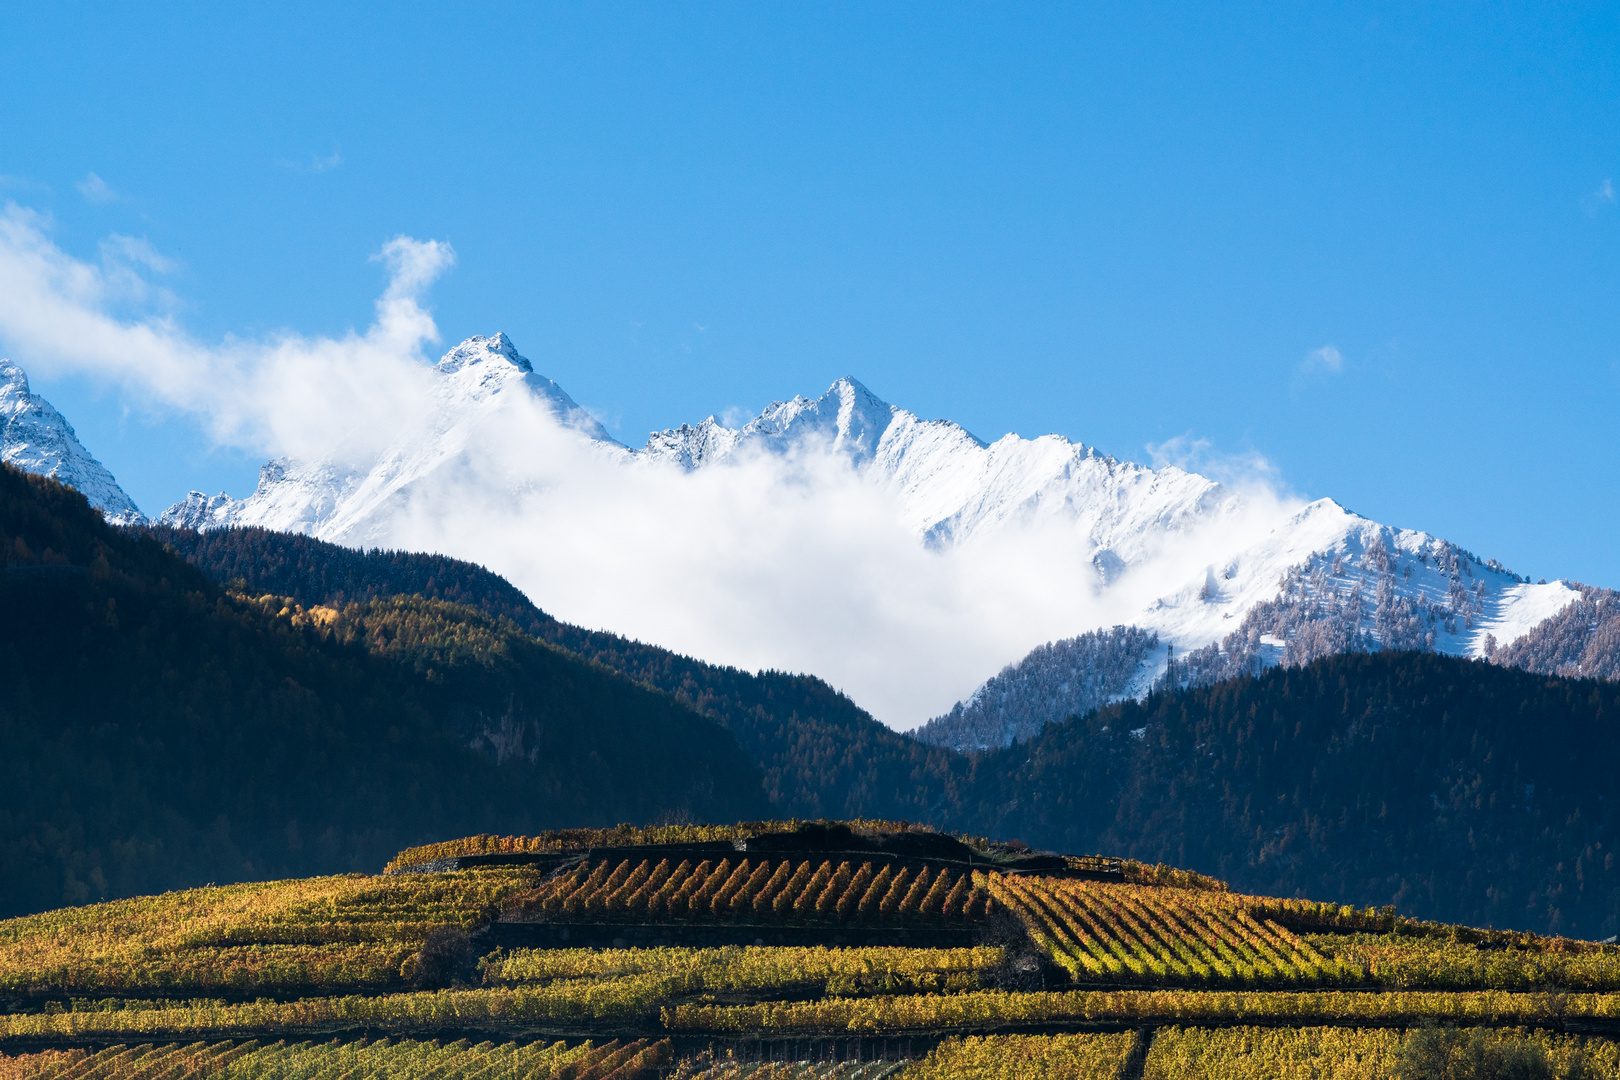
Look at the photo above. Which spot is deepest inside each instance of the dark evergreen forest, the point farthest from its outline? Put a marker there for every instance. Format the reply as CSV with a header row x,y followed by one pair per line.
x,y
1454,789
159,731
821,754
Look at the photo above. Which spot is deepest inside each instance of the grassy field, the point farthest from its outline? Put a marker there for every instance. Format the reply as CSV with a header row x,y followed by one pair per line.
x,y
1161,974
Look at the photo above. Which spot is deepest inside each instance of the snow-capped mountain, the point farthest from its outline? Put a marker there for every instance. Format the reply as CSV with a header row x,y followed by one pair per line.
x,y
339,500
1200,580
1325,581
36,438
952,486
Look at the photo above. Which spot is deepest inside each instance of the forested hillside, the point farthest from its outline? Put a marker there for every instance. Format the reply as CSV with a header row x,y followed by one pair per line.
x,y
159,731
1455,789
821,754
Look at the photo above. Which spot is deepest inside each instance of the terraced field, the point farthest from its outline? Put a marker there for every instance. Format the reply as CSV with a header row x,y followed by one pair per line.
x,y
1067,967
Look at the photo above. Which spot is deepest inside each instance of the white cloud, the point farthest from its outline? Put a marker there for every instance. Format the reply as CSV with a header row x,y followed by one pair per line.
x,y
95,189
135,252
799,563
1327,358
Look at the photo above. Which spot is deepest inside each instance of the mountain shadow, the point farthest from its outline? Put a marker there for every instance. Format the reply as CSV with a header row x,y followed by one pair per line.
x,y
821,754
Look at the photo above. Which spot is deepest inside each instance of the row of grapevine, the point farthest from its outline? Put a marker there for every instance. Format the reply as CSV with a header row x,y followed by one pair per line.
x,y
993,1008
620,836
754,891
733,967
1107,932
1336,1053
637,998
629,999
382,1060
264,969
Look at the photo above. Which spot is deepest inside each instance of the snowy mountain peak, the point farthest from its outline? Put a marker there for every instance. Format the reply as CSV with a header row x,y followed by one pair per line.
x,y
474,380
849,418
479,350
848,415
479,368
36,438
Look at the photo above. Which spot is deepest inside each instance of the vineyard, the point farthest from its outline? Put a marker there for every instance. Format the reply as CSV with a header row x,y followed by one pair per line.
x,y
1131,933
354,931
757,891
1086,968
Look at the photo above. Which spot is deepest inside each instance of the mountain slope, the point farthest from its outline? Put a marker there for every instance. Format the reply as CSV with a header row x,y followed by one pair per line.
x,y
160,732
35,438
821,754
1455,789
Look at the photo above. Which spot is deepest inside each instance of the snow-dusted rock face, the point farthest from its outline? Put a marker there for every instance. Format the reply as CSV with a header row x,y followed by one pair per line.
x,y
35,437
953,486
1325,581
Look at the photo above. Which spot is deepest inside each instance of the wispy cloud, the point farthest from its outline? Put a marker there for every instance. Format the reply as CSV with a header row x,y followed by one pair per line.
x,y
1597,200
96,189
1241,470
285,393
1326,359
316,164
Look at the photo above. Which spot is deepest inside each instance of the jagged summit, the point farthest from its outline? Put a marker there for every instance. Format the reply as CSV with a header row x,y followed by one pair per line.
x,y
36,438
478,349
347,502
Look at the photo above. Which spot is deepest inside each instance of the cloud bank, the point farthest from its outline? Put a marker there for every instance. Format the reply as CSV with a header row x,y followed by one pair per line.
x,y
797,562
288,394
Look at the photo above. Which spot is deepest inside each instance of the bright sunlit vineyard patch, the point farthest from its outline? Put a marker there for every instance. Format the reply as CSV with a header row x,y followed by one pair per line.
x,y
992,1009
1104,932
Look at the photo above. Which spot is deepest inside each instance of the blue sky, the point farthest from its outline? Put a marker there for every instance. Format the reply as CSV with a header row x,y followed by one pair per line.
x,y
1378,246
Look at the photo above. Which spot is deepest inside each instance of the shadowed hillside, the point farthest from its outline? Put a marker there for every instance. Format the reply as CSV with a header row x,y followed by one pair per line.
x,y
821,754
1455,789
160,732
